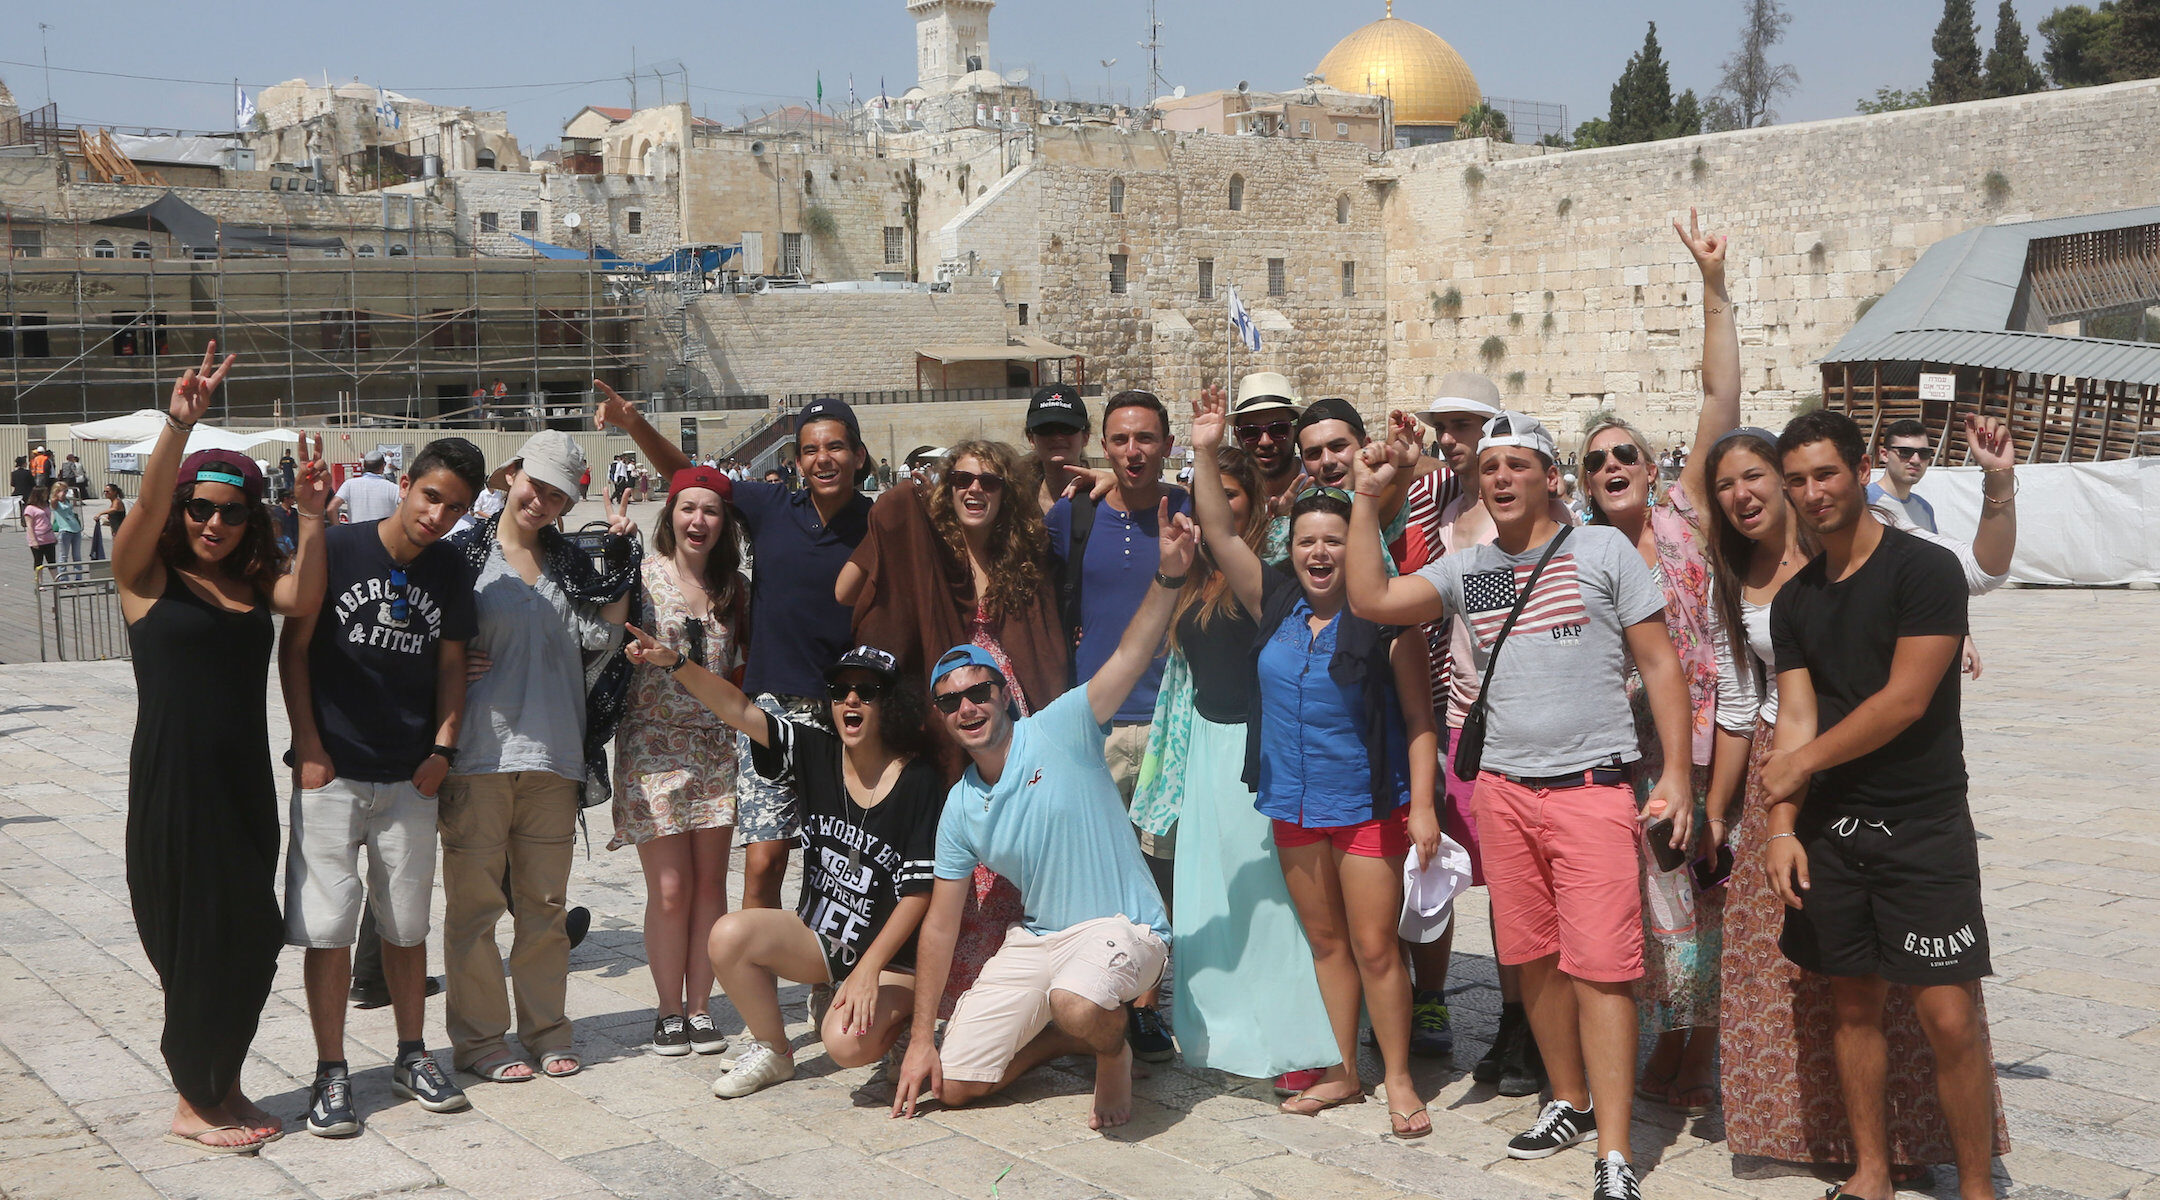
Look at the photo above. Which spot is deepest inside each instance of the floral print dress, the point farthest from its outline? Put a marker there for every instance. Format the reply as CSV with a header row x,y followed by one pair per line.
x,y
675,762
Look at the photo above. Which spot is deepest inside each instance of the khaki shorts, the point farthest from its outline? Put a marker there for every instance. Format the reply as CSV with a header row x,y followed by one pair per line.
x,y
322,863
1108,962
1124,750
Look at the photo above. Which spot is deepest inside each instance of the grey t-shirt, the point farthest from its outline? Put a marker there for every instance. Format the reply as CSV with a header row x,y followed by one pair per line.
x,y
1558,702
527,713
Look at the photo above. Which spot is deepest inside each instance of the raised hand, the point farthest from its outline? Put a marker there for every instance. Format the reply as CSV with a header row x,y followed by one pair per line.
x,y
612,409
1708,249
192,391
1210,420
1993,449
311,478
618,515
1372,469
1405,440
1179,539
644,648
1095,481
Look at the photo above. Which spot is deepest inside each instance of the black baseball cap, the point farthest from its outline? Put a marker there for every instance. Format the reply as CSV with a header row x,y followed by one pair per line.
x,y
878,662
1057,404
1334,408
829,409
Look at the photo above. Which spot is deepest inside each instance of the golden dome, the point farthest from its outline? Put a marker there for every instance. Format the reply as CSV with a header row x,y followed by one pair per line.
x,y
1429,82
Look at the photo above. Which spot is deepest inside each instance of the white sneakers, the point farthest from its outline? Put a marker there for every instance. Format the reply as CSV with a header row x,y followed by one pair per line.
x,y
760,1066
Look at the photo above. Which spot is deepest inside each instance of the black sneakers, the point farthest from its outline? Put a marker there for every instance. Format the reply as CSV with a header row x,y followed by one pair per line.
x,y
1149,1036
1559,1126
1613,1179
330,1108
704,1038
419,1078
1431,1033
671,1036
1522,1070
1487,1069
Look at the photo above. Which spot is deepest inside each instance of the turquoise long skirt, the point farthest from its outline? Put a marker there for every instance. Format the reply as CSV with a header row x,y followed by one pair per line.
x,y
1246,1000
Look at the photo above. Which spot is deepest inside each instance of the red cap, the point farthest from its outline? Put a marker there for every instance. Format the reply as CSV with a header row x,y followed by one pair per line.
x,y
701,477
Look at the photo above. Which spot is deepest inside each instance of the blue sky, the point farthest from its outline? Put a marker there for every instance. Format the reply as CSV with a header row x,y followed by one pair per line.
x,y
542,59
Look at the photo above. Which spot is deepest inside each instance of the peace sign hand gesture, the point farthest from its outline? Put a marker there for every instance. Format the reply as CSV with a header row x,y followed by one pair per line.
x,y
311,480
1708,249
618,515
191,392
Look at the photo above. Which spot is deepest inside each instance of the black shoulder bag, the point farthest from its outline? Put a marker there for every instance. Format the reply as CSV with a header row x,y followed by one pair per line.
x,y
1470,747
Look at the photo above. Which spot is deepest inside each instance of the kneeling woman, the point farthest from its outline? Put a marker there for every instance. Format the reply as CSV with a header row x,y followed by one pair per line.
x,y
870,813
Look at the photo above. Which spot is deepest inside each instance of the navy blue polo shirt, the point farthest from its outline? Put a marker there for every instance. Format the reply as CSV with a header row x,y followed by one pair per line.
x,y
799,629
1119,564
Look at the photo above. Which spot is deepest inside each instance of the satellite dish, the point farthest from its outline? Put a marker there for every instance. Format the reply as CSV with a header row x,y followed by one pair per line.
x,y
1019,76
572,220
1242,87
1178,92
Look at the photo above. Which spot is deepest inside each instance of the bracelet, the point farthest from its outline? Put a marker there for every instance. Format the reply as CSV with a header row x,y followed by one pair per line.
x,y
446,753
172,424
1713,310
1985,498
311,516
1366,494
1775,836
681,661
1173,582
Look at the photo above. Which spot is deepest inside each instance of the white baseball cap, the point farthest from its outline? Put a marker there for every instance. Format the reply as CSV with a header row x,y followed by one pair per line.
x,y
1516,429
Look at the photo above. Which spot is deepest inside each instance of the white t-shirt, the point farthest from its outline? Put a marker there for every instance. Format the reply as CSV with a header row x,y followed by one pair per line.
x,y
367,497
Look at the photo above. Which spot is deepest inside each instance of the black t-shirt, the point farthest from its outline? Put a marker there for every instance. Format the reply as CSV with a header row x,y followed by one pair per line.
x,y
1224,674
372,675
1844,634
857,862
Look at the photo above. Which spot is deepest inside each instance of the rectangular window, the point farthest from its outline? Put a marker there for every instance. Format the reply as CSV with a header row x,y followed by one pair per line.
x,y
529,221
1023,314
636,221
1277,278
26,243
1342,129
1207,279
22,335
344,330
1305,127
1349,279
138,334
791,254
451,329
1117,274
490,222
561,327
895,243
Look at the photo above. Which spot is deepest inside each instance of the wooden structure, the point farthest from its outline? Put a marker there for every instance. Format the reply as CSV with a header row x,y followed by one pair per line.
x,y
2055,418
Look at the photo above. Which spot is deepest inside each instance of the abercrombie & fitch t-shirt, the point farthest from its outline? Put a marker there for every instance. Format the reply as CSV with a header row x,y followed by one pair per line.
x,y
1558,701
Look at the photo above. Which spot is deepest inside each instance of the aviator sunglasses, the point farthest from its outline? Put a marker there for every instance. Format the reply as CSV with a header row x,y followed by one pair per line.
x,y
235,513
1275,430
1626,454
979,695
963,480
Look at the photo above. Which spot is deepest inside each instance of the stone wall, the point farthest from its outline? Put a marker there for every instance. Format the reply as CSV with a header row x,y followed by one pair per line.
x,y
603,204
783,343
1570,261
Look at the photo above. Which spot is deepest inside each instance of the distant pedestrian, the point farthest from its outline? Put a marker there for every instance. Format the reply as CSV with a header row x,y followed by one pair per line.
x,y
367,496
38,527
114,512
20,480
67,525
74,474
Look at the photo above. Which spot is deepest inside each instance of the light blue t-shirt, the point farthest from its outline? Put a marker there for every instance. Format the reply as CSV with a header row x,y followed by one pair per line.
x,y
1916,508
1054,825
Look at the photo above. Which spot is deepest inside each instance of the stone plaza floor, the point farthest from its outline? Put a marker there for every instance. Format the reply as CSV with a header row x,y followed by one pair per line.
x,y
2061,744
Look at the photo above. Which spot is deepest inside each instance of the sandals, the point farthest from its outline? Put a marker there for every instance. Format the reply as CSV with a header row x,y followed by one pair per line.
x,y
1305,1104
1837,1192
1677,1098
493,1068
1399,1123
549,1061
194,1141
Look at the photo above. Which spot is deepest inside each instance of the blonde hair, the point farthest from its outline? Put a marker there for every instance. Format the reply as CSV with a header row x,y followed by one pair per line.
x,y
1596,515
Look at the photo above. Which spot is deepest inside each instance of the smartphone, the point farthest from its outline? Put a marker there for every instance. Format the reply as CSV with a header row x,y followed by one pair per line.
x,y
1660,835
1712,871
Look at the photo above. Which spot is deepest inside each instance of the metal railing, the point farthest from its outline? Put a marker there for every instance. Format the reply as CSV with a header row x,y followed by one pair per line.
x,y
78,607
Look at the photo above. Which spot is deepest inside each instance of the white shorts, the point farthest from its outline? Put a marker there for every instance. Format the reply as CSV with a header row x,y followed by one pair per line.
x,y
322,865
1108,961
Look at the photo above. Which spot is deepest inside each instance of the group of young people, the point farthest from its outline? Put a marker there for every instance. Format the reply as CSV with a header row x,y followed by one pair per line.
x,y
1066,747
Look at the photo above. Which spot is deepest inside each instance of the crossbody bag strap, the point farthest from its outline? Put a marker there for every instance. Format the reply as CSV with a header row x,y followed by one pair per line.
x,y
1493,659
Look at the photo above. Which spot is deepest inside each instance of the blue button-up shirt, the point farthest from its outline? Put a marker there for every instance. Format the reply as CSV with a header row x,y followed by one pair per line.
x,y
1313,768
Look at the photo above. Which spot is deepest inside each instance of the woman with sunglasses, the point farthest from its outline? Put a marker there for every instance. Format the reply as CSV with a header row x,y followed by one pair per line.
x,y
1780,1078
1341,749
957,560
199,575
869,821
1678,992
675,769
1246,1000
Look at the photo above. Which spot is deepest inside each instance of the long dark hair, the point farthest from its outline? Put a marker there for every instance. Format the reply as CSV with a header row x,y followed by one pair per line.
x,y
1731,551
1207,593
256,561
725,587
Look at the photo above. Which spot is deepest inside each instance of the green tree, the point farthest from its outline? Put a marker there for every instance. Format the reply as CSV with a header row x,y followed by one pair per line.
x,y
1485,121
1751,84
1957,56
2080,44
2136,50
1687,116
1595,132
2010,69
1642,99
1890,99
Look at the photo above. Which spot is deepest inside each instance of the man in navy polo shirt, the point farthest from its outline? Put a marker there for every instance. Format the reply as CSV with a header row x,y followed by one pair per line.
x,y
799,540
1111,545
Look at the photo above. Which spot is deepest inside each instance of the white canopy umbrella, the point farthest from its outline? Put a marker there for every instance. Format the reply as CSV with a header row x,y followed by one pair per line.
x,y
206,437
134,427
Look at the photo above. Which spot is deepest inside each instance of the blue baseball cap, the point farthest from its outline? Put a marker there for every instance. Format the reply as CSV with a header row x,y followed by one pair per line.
x,y
967,654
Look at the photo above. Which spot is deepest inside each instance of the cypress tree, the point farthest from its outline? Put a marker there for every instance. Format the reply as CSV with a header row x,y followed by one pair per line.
x,y
1957,56
2010,69
1642,99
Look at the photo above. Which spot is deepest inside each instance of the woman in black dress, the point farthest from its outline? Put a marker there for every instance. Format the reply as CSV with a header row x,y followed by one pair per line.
x,y
199,573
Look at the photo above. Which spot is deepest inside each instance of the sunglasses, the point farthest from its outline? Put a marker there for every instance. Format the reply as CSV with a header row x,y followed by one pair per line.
x,y
235,514
694,638
979,695
1279,431
871,691
400,608
1916,453
963,480
1332,493
1627,454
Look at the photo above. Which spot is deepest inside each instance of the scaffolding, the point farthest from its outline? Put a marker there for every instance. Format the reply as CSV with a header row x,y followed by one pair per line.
x,y
504,343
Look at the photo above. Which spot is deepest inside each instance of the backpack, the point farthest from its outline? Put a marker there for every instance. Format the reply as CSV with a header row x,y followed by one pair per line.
x,y
1082,524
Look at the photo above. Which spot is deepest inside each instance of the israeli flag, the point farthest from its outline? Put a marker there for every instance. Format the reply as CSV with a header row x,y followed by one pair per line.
x,y
1241,323
385,114
243,108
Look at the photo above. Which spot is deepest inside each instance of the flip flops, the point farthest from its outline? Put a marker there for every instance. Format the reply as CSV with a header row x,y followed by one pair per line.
x,y
194,1141
1399,1124
1305,1104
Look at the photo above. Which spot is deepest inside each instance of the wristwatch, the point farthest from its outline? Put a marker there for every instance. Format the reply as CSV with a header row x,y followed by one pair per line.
x,y
681,660
1173,582
447,753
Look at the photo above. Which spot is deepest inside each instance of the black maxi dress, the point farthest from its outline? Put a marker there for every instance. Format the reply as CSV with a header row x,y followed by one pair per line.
x,y
202,831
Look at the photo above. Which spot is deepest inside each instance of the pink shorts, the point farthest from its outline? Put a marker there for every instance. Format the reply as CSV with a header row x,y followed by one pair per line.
x,y
1382,837
1564,876
1457,818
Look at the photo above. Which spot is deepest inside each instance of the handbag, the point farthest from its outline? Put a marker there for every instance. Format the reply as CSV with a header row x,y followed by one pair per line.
x,y
1470,745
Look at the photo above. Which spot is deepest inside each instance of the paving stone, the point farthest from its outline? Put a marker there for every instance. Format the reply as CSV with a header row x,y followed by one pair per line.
x,y
654,1171
965,1167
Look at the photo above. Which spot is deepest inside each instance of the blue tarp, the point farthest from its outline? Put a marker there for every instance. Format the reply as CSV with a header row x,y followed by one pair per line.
x,y
708,258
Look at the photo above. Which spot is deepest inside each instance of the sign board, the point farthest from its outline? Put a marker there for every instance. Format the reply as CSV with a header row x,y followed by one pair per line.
x,y
118,463
1937,387
689,437
393,453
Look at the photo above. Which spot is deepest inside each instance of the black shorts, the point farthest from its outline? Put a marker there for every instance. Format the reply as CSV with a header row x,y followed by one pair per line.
x,y
1896,898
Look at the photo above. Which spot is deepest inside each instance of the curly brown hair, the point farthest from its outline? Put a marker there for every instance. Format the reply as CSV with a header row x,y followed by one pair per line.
x,y
256,561
1208,590
1016,533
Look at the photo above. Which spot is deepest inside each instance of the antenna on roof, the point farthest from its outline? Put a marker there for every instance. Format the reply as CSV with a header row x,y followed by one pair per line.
x,y
1153,46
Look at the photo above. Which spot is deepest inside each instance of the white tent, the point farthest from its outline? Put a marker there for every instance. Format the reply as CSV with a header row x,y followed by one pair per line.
x,y
205,437
134,427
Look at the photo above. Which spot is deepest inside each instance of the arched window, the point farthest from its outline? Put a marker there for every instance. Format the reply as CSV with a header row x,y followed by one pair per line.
x,y
485,160
1117,195
1237,193
101,249
1342,209
399,252
141,250
367,251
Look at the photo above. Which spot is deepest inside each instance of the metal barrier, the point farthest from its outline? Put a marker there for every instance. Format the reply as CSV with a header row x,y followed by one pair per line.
x,y
78,607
